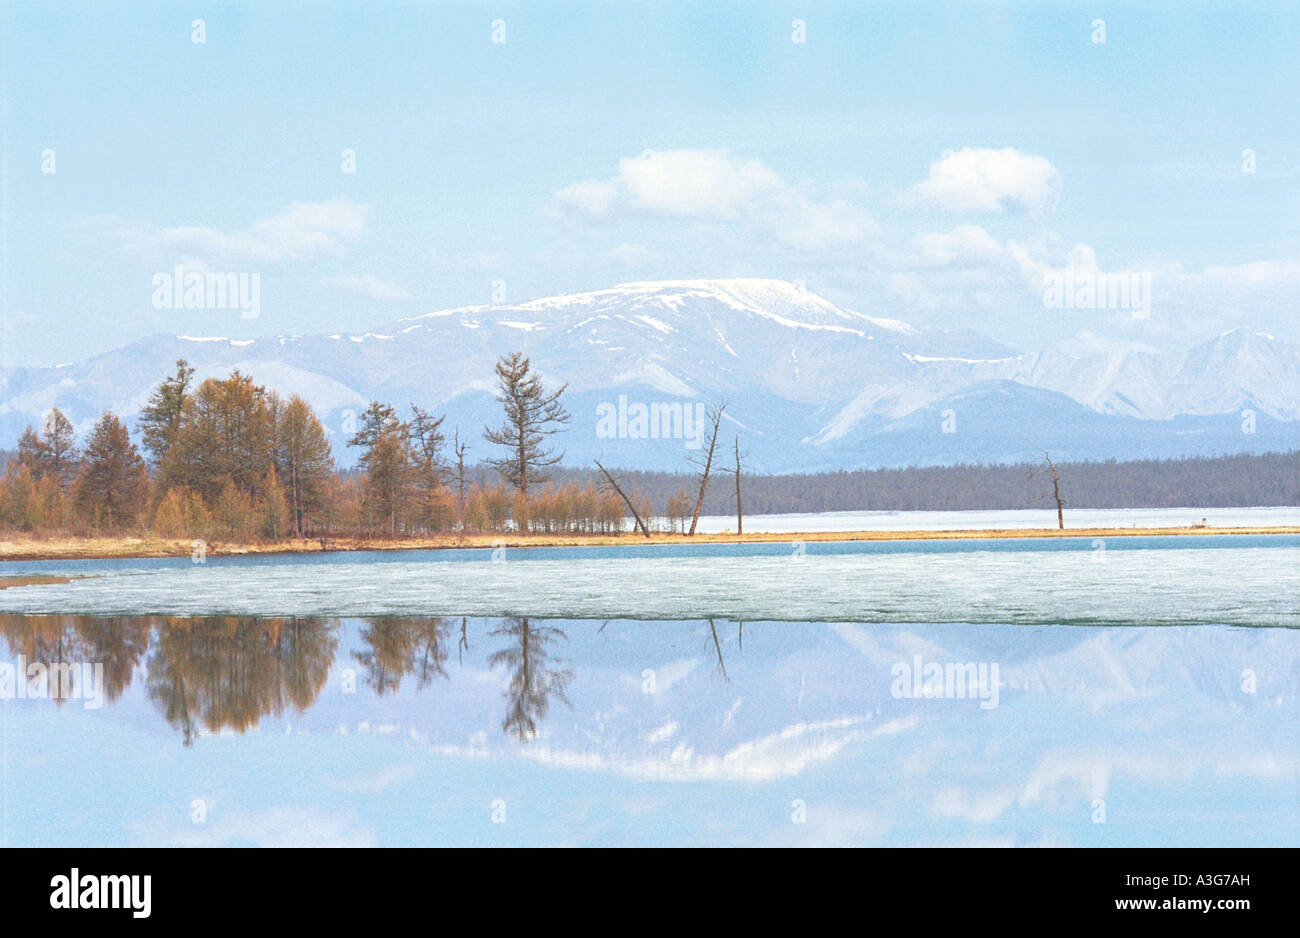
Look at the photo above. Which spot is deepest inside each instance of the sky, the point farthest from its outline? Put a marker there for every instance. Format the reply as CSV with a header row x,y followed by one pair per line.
x,y
368,162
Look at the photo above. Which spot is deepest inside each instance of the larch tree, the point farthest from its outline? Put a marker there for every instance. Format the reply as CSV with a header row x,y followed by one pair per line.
x,y
531,415
224,436
160,418
112,486
52,452
31,453
430,468
60,455
304,461
386,461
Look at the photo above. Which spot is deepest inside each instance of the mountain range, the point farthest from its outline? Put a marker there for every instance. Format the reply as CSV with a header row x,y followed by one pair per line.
x,y
808,385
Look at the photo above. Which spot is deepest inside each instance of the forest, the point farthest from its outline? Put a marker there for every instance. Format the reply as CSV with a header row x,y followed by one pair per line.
x,y
230,460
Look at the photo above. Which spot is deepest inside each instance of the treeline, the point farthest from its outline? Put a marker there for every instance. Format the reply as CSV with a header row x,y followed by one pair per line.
x,y
229,460
1238,481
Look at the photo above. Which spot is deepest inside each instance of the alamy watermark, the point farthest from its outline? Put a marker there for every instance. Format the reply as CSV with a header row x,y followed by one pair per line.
x,y
950,680
1089,288
659,420
203,289
63,680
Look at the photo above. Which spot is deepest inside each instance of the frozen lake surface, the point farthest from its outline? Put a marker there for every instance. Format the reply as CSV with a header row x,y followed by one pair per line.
x,y
1184,579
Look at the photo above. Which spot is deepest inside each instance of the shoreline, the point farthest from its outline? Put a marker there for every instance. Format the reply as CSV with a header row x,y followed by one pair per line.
x,y
108,548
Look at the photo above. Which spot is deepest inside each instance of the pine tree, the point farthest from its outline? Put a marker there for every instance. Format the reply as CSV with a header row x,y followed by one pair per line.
x,y
113,484
531,415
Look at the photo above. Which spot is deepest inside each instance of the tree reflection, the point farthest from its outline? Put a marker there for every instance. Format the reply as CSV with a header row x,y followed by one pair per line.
x,y
227,672
213,673
402,645
533,679
116,642
715,644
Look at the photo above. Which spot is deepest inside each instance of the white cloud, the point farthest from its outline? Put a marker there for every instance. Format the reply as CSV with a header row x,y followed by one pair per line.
x,y
303,231
695,183
714,186
630,255
591,197
965,245
368,286
469,261
977,179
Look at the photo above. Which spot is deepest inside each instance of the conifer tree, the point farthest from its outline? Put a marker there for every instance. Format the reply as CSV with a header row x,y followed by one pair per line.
x,y
304,461
161,417
531,415
113,484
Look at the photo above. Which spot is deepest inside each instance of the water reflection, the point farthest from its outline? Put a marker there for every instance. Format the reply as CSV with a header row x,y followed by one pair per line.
x,y
402,730
230,672
535,678
226,673
118,642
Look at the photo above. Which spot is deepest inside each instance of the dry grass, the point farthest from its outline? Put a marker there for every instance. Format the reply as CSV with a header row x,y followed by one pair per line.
x,y
60,548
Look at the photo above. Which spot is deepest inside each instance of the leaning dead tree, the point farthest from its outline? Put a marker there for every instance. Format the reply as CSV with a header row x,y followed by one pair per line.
x,y
623,495
1055,493
705,461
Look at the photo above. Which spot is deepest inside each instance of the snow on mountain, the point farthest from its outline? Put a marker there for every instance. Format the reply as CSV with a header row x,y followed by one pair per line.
x,y
812,384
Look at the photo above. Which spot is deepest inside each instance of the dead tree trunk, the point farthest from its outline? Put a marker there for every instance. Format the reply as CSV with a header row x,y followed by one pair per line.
x,y
460,476
626,501
1056,491
706,466
717,645
740,517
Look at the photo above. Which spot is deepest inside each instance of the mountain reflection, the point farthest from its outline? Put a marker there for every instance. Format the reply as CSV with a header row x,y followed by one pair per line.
x,y
215,673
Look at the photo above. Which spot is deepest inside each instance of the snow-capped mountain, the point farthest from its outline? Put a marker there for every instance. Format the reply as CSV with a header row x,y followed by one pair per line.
x,y
808,384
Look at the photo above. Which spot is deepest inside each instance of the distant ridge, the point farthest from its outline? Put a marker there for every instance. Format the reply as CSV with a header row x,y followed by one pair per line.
x,y
809,384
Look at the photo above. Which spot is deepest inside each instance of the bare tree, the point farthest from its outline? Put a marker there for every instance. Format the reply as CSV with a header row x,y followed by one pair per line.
x,y
623,495
705,462
459,449
740,517
1055,493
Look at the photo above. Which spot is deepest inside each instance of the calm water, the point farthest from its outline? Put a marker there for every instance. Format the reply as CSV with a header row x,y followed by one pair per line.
x,y
1142,691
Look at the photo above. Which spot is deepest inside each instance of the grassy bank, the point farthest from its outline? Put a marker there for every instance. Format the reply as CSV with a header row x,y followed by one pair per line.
x,y
71,548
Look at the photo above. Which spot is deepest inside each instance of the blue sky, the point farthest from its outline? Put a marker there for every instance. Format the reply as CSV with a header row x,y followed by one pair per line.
x,y
924,162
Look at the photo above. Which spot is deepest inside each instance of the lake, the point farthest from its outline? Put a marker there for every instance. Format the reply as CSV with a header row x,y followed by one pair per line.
x,y
1130,691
